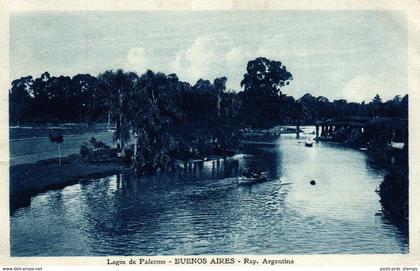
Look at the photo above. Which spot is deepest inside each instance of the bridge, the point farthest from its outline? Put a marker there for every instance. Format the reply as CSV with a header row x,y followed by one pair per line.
x,y
396,129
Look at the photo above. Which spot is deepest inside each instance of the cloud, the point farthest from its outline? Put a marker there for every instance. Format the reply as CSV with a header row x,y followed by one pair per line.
x,y
235,55
265,52
211,56
137,60
215,55
205,58
208,57
364,87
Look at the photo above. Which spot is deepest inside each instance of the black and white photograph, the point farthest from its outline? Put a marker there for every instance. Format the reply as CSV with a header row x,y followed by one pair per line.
x,y
208,132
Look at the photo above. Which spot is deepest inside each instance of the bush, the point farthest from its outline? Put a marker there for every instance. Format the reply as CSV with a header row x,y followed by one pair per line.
x,y
394,193
85,150
393,190
97,151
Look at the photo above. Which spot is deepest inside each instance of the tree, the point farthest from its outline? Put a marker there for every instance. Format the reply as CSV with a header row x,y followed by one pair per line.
x,y
82,99
203,86
115,87
262,95
41,99
404,107
377,99
375,106
266,76
152,110
20,98
57,138
59,102
220,87
300,112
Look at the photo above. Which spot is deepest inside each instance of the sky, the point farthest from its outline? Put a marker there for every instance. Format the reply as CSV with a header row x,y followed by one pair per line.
x,y
349,55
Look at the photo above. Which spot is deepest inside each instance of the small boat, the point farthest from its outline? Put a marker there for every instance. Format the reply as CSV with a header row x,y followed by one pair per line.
x,y
309,143
397,145
262,177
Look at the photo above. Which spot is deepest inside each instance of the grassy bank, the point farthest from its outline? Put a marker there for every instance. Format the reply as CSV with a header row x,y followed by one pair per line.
x,y
46,174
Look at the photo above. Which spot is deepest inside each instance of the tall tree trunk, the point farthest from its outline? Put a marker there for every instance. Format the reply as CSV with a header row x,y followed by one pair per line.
x,y
109,120
121,133
135,150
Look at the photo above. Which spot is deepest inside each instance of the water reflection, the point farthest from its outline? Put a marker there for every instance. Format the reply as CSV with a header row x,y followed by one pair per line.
x,y
201,210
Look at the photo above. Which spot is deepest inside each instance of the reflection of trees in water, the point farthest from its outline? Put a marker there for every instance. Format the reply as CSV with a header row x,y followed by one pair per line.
x,y
231,168
378,162
121,207
120,213
19,200
140,204
213,169
265,159
401,226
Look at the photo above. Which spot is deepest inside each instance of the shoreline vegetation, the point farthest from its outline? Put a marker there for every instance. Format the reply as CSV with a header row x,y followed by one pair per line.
x,y
160,120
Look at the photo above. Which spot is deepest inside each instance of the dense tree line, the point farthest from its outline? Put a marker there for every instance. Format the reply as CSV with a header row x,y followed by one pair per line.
x,y
319,108
169,118
54,99
86,98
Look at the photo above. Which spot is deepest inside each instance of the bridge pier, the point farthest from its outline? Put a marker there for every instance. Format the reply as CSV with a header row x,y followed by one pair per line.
x,y
322,130
362,130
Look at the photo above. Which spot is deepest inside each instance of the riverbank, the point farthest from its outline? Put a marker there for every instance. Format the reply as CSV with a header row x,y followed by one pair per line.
x,y
46,174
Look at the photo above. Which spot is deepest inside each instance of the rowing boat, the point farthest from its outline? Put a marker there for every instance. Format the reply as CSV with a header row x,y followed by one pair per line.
x,y
255,179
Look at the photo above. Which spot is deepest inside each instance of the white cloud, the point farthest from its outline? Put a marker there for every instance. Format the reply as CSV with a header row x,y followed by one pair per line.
x,y
208,57
235,55
365,87
137,60
216,55
205,58
265,52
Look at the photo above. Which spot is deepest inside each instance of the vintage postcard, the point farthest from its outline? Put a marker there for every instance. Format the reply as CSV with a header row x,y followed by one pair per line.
x,y
199,133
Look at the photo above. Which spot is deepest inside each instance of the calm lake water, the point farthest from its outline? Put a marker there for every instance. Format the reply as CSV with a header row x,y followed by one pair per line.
x,y
203,211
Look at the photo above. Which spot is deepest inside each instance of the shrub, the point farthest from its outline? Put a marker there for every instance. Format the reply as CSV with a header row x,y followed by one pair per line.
x,y
97,151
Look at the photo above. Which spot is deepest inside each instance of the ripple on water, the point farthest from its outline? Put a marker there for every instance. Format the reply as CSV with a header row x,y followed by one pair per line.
x,y
182,213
